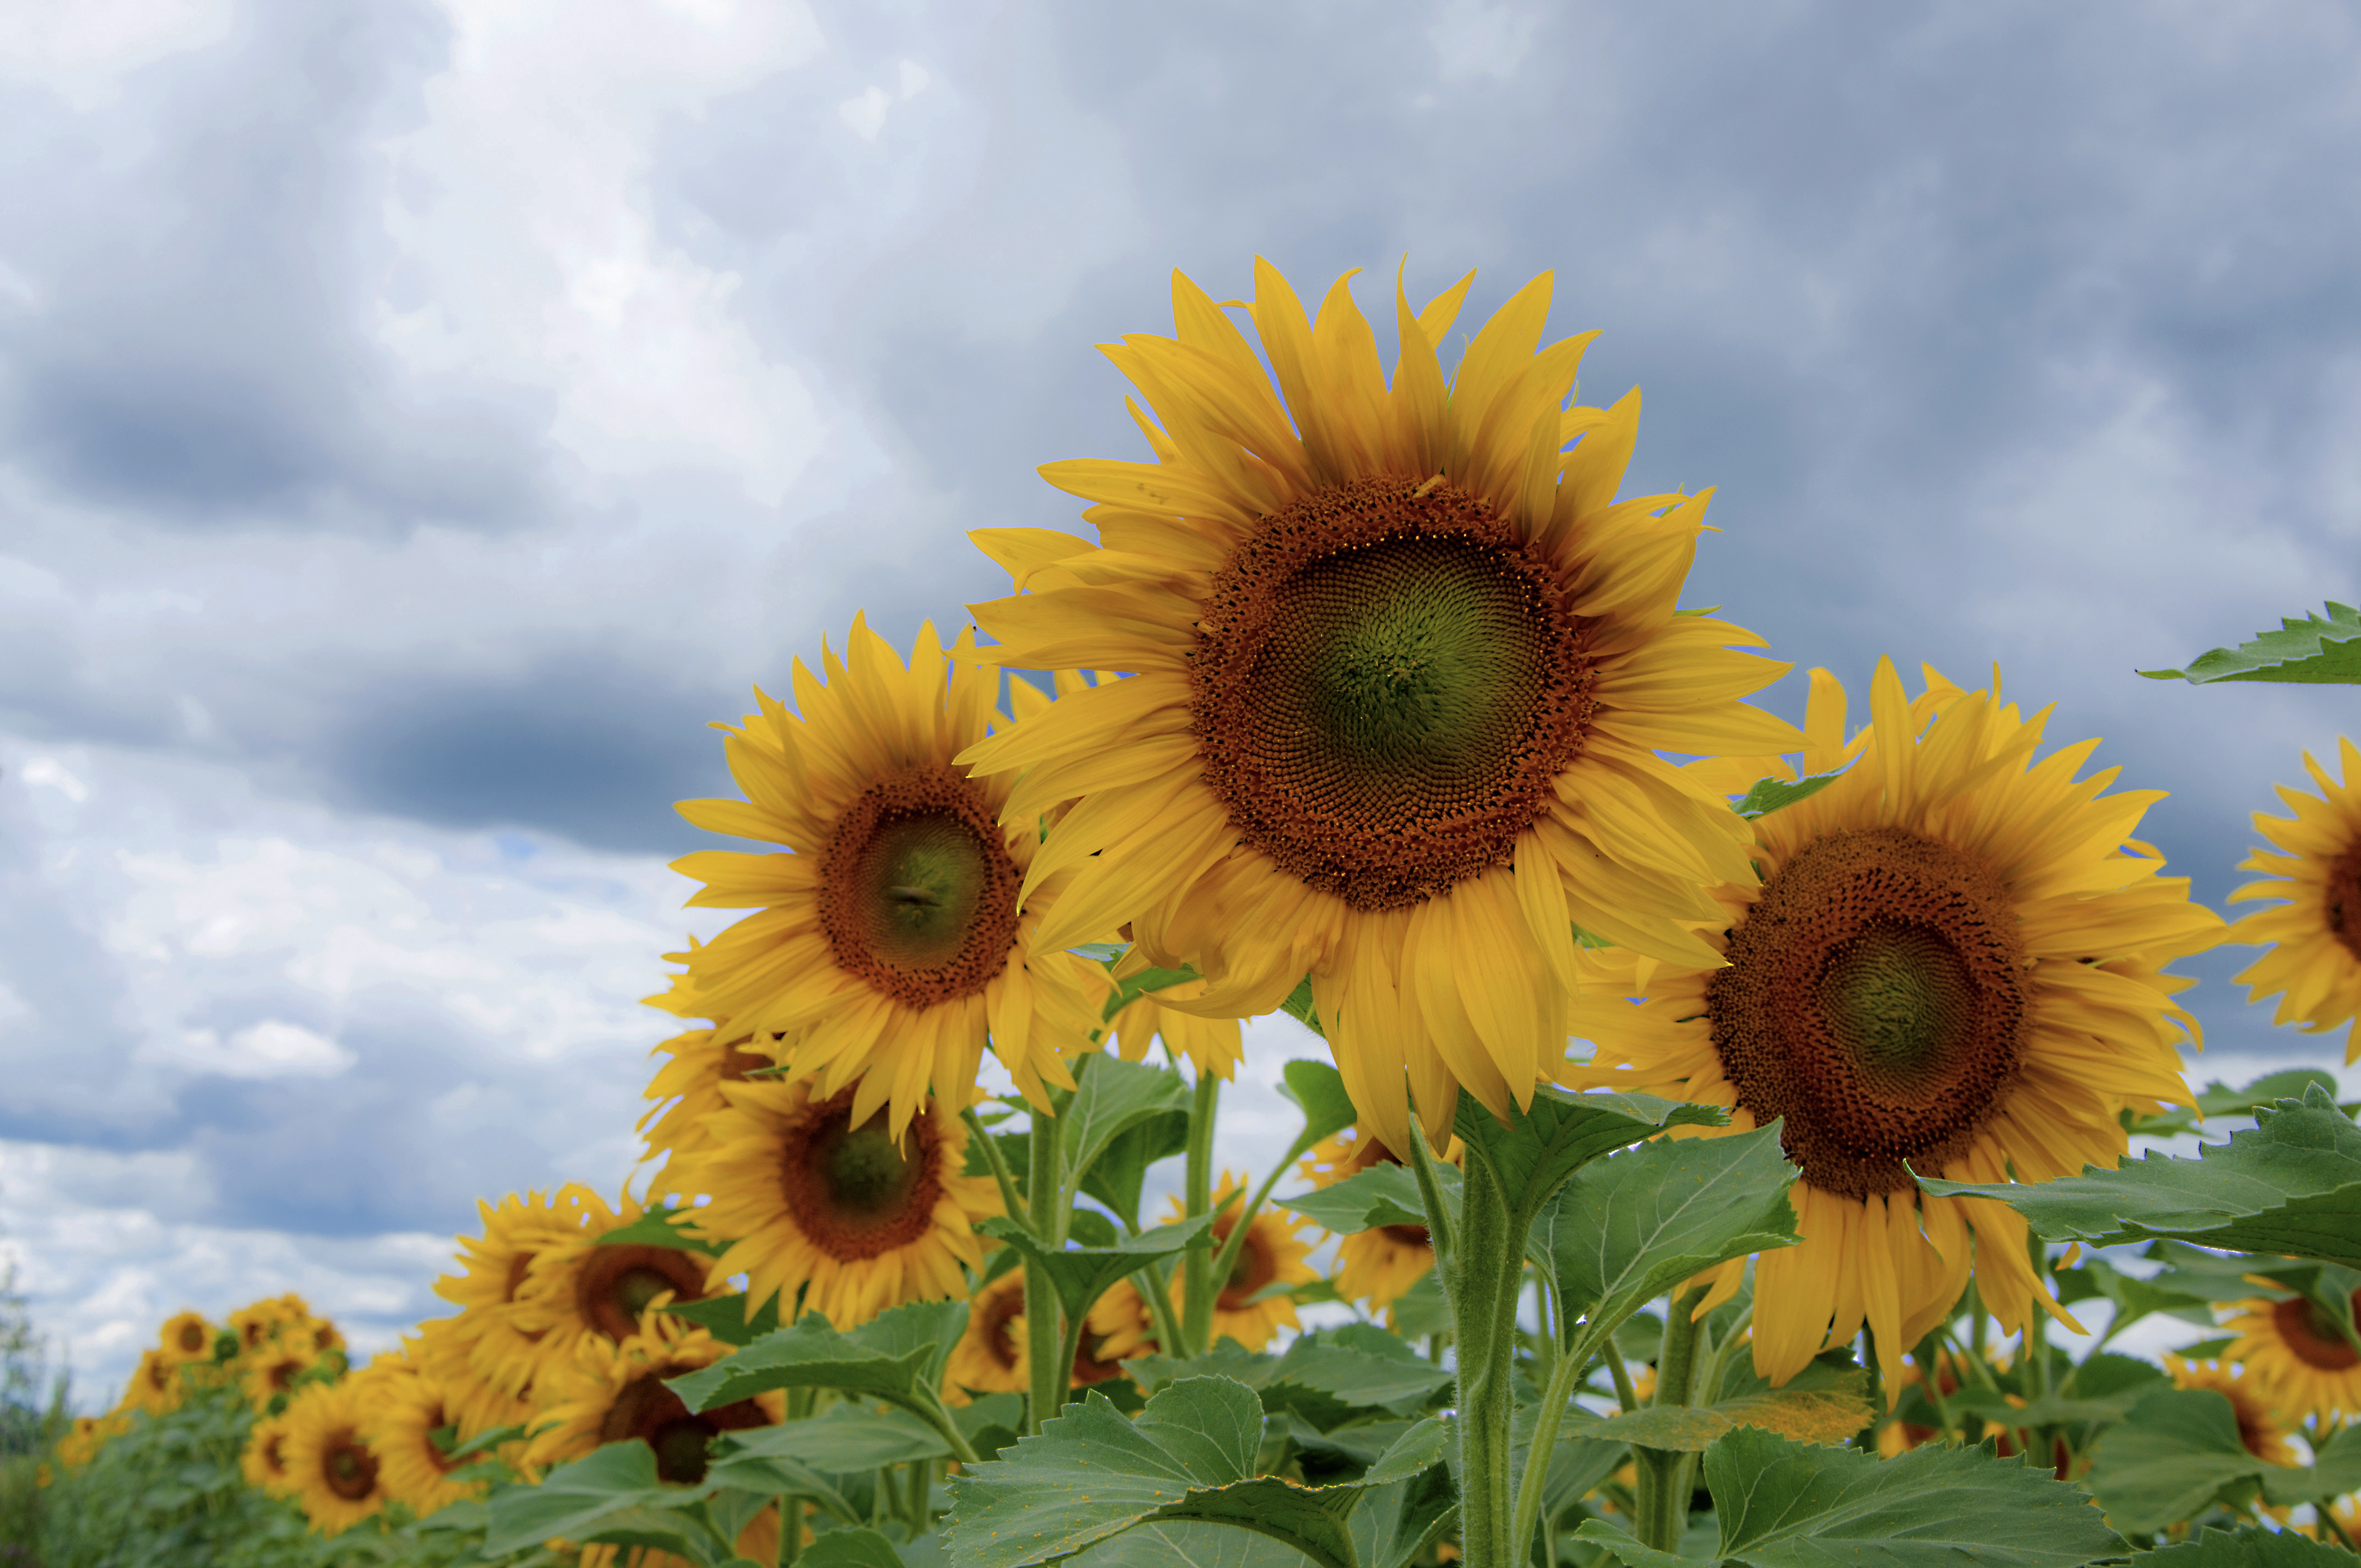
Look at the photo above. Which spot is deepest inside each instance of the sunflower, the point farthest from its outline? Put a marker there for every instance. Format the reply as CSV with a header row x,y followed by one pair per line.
x,y
2259,1427
1121,1325
991,1356
1212,1045
486,1358
1952,958
1401,667
405,1409
1381,1263
264,1461
156,1386
1272,1254
578,1287
260,1322
687,1089
894,939
2292,1349
333,1473
87,1435
271,1369
616,1393
2314,964
816,1196
187,1336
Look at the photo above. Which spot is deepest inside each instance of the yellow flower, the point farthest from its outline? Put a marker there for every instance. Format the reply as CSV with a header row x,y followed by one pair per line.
x,y
2294,1352
486,1356
1401,668
687,1089
2314,963
2259,1427
991,1356
156,1387
405,1407
1376,1266
333,1473
1212,1045
616,1393
270,1368
264,1461
88,1435
815,1197
1273,1254
576,1288
187,1337
893,939
1953,958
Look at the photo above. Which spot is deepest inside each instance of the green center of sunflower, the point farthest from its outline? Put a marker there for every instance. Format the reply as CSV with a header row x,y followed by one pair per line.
x,y
349,1469
1875,1002
854,1192
918,895
1384,684
616,1284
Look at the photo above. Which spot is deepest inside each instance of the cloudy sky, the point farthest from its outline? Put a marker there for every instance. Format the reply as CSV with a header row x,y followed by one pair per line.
x,y
417,420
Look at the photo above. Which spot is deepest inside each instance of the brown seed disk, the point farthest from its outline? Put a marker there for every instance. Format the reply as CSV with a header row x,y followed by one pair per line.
x,y
617,1283
1876,999
1384,684
653,1413
2343,901
348,1467
918,893
1256,1267
853,1192
2311,1337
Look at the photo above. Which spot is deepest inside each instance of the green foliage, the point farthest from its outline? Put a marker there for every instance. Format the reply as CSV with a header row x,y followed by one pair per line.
x,y
2218,1098
2247,1547
2315,651
612,1496
897,1358
1081,1275
1381,1195
659,1226
2292,1185
1560,1133
1790,1505
725,1318
2175,1456
1821,1404
1113,1098
1770,794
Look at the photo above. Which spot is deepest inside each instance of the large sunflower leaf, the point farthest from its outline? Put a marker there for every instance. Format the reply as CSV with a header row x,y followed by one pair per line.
x,y
1821,1404
1631,1227
1381,1195
1112,1097
2218,1098
611,1494
725,1318
1318,1090
1789,1505
878,1359
1119,1176
1362,1366
1083,1274
1545,1145
846,1438
2169,1459
2248,1546
2290,1185
2315,651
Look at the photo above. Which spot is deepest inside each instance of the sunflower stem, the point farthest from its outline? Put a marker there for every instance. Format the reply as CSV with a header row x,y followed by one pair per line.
x,y
1625,1393
1663,1499
1197,1265
1546,1422
791,1530
1010,1201
1485,1283
1156,1289
1041,1317
1227,1258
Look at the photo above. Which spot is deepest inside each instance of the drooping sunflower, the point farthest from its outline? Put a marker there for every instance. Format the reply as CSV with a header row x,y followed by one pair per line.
x,y
2292,1349
1952,956
688,1091
405,1408
894,937
334,1474
817,1197
578,1287
186,1336
2314,963
1212,1045
615,1393
264,1461
1273,1254
1378,1265
2259,1427
486,1356
1401,668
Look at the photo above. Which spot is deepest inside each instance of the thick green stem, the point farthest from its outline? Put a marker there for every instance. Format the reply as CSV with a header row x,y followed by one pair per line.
x,y
1662,1498
791,1530
1041,1325
1484,1282
1546,1422
1197,1264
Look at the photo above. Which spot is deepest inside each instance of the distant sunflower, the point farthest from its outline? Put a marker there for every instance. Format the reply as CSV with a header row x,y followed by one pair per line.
x,y
815,1196
156,1384
1952,958
2293,1350
405,1407
486,1356
271,1369
187,1337
2259,1428
578,1287
991,1356
616,1393
1212,1045
687,1089
1122,1325
894,939
335,1474
2314,963
1380,1265
1273,1255
1401,671
264,1461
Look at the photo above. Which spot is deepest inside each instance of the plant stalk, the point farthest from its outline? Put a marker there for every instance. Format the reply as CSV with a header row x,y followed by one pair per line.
x,y
1010,1201
1484,1282
1197,1263
1662,1498
1041,1318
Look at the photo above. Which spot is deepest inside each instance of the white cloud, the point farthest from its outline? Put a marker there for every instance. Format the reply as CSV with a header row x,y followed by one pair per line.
x,y
272,1048
50,774
82,49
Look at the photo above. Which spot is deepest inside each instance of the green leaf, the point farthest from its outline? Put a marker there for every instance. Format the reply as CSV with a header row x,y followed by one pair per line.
x,y
610,1494
1821,1404
724,1317
1769,794
2335,1470
1381,1195
1318,1090
1363,1366
1083,1274
1112,1097
1789,1505
1629,1227
862,1548
884,1359
2248,1546
1578,1463
1091,1474
2290,1185
1298,1007
2169,1459
1560,1133
2315,651
659,1226
846,1438
775,1475
2221,1100
1131,987
1119,1176
1626,1549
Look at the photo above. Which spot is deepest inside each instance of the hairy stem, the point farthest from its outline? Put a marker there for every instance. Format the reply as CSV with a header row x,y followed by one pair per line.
x,y
1042,1324
1484,1282
1663,1499
1197,1264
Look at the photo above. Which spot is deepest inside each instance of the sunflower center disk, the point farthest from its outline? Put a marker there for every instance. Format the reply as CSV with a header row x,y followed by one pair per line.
x,y
617,1282
917,896
855,1193
2343,900
1384,684
2311,1335
1877,1000
350,1471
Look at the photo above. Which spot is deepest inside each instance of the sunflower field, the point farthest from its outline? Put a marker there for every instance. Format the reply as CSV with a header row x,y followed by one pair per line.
x,y
1716,1115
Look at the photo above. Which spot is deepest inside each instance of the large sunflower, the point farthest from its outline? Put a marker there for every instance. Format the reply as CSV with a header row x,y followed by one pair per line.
x,y
578,1287
405,1407
271,1369
2256,1406
1401,668
1952,958
2293,1350
2314,964
816,1196
486,1356
616,1393
264,1461
334,1474
157,1385
893,939
1381,1263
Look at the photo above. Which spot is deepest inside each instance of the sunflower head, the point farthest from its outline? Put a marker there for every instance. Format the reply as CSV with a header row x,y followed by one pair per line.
x,y
578,1287
2313,879
2303,1361
1401,670
991,1356
186,1336
406,1409
264,1461
335,1474
2260,1428
616,1393
1273,1253
1951,961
